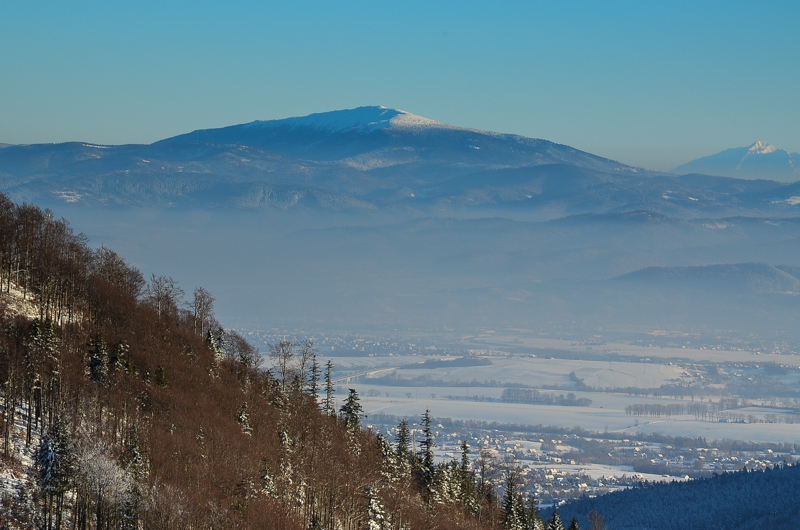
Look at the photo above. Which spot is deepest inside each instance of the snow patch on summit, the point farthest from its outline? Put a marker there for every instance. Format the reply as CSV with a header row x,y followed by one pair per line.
x,y
762,148
361,119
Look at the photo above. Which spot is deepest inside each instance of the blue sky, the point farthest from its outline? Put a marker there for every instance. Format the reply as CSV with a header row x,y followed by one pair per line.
x,y
648,83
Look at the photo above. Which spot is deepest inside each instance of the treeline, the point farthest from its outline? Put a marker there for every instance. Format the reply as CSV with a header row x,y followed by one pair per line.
x,y
704,411
532,396
143,413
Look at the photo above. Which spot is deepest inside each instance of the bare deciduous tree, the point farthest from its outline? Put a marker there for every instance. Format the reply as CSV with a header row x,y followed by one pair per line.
x,y
202,306
238,349
306,358
163,294
281,355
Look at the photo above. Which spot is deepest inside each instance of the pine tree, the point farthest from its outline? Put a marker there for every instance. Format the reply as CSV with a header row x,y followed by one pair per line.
x,y
574,524
56,465
466,479
98,359
243,419
403,443
217,343
555,522
426,446
328,404
313,379
118,359
532,514
513,511
351,411
376,516
136,469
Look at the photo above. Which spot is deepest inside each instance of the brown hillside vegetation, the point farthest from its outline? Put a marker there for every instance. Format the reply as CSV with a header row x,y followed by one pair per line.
x,y
140,417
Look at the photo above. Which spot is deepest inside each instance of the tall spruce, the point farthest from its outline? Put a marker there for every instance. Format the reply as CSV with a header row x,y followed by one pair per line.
x,y
328,404
313,379
351,411
513,510
98,359
555,523
56,467
403,441
426,448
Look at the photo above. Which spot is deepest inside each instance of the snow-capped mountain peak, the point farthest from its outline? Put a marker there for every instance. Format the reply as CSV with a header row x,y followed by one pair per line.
x,y
762,148
361,119
758,161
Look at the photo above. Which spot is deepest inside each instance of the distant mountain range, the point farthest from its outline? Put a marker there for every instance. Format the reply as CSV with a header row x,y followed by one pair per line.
x,y
376,218
369,159
758,161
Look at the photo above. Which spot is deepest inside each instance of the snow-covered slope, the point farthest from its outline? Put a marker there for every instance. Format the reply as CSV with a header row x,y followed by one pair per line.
x,y
380,137
758,161
361,119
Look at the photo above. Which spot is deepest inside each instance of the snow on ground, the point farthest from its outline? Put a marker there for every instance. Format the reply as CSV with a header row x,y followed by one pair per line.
x,y
499,341
535,371
592,418
19,303
17,473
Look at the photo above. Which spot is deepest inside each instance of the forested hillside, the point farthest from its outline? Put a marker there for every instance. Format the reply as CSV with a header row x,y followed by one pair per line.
x,y
746,500
124,406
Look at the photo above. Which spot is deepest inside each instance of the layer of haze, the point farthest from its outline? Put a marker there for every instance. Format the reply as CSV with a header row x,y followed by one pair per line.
x,y
649,84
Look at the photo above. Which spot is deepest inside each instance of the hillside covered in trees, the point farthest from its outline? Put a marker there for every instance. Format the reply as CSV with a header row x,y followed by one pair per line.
x,y
126,407
745,500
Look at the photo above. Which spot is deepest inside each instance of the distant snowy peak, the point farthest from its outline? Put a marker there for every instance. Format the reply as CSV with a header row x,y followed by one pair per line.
x,y
758,161
361,119
762,148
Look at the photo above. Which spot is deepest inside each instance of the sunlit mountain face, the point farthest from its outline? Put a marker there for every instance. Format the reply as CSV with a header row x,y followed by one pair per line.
x,y
758,161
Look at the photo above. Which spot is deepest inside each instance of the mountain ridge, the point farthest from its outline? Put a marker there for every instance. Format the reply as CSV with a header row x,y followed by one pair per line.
x,y
758,160
370,159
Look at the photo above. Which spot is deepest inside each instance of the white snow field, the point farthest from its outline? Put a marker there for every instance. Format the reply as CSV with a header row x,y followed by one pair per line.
x,y
594,418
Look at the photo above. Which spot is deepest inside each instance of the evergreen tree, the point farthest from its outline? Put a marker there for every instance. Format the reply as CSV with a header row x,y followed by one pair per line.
x,y
466,478
98,359
555,522
426,447
136,469
328,404
243,419
119,357
56,466
351,411
532,514
403,443
313,379
44,335
216,342
513,510
376,516
574,524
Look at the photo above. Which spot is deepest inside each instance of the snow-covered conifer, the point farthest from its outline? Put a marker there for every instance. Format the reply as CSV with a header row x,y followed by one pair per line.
x,y
98,359
56,467
328,404
351,411
555,523
426,447
243,419
513,511
376,515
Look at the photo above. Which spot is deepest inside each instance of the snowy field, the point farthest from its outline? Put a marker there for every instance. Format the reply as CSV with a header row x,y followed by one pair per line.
x,y
406,385
606,414
501,341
